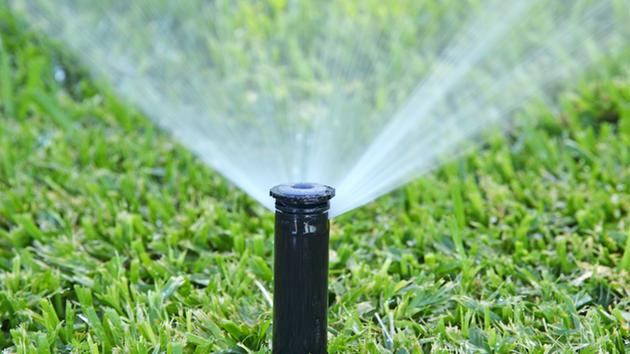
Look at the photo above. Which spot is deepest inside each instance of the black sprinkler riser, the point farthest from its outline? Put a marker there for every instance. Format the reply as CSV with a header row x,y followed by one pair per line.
x,y
300,297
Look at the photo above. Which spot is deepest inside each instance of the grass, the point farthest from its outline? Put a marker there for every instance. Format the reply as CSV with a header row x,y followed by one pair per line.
x,y
115,239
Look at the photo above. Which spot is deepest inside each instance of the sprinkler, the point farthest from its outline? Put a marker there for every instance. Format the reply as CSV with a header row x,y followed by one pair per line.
x,y
300,291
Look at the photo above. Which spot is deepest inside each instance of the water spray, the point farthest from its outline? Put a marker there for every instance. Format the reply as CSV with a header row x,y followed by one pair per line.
x,y
277,106
300,296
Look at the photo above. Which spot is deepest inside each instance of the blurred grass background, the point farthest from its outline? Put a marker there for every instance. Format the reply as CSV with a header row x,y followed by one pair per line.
x,y
115,239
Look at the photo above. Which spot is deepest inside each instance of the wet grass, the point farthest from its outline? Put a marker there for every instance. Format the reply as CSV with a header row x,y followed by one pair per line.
x,y
115,239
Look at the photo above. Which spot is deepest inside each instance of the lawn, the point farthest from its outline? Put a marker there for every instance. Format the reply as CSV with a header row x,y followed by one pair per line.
x,y
114,238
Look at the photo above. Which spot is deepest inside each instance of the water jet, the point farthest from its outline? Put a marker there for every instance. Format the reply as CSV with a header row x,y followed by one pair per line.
x,y
300,296
364,98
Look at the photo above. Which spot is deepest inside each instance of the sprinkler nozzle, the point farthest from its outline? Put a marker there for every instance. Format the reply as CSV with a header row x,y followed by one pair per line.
x,y
300,297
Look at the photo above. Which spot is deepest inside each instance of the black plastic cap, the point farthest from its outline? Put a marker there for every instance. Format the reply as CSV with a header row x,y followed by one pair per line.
x,y
302,197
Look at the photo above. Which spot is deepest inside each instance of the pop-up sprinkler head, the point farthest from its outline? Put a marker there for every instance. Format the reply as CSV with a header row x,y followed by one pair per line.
x,y
300,296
